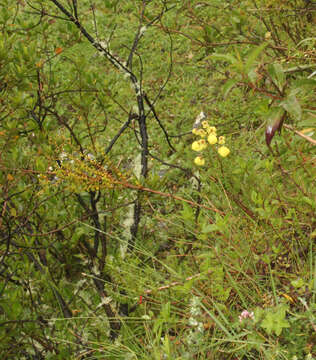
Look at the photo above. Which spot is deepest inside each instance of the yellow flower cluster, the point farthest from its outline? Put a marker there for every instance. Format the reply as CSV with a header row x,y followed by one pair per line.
x,y
208,136
199,145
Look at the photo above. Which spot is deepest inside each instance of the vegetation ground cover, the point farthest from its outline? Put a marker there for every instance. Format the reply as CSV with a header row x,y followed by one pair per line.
x,y
127,231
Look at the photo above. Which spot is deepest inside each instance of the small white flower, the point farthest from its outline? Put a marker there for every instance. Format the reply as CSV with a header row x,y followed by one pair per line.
x,y
200,328
63,156
198,119
193,322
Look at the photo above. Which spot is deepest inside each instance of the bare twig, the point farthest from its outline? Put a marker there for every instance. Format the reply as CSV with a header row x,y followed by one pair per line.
x,y
299,133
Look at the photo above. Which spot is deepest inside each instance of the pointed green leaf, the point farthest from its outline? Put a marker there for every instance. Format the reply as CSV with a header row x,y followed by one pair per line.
x,y
252,75
228,86
224,57
277,75
252,57
292,106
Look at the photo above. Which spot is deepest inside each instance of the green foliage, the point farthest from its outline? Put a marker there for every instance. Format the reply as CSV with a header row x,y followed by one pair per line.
x,y
113,242
274,321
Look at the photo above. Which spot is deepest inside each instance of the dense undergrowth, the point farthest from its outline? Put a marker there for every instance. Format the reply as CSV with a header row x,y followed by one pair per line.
x,y
114,243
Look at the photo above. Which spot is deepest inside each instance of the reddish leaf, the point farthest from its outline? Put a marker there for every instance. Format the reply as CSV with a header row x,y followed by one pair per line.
x,y
58,50
276,119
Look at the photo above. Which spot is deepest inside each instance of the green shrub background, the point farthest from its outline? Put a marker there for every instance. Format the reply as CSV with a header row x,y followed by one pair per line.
x,y
82,277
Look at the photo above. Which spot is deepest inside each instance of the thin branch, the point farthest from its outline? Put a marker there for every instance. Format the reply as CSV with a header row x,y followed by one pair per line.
x,y
120,132
151,106
299,133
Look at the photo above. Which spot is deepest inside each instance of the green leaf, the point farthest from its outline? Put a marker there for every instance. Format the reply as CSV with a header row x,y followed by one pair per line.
x,y
252,75
298,283
224,57
228,86
277,75
275,321
280,325
209,228
292,106
187,212
254,54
